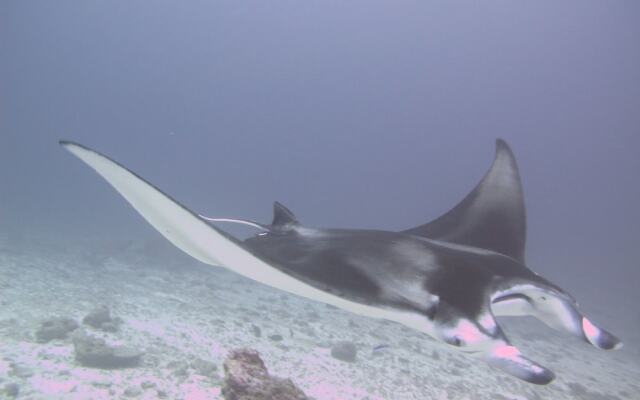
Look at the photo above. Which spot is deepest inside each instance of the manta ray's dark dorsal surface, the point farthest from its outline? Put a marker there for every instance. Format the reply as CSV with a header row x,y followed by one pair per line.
x,y
492,216
448,278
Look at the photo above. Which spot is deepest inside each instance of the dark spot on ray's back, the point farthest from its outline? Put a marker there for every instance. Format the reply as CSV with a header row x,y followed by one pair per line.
x,y
342,278
316,263
460,283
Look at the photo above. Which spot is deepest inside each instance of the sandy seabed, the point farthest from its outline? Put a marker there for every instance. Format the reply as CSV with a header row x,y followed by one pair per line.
x,y
179,311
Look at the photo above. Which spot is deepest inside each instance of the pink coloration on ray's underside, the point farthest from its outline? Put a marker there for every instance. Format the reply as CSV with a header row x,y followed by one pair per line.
x,y
589,329
507,352
468,332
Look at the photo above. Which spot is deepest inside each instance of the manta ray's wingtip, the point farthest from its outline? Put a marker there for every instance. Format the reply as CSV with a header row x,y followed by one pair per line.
x,y
502,145
69,143
78,149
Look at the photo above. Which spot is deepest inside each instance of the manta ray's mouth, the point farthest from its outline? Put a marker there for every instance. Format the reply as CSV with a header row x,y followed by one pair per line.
x,y
512,296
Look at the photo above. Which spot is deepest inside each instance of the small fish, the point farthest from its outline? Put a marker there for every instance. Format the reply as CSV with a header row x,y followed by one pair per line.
x,y
379,348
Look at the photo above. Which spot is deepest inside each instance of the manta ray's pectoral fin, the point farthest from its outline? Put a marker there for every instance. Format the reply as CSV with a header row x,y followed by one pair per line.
x,y
191,233
492,216
182,227
509,359
208,244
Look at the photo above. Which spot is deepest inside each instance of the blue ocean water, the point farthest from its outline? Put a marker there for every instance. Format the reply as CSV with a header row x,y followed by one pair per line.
x,y
366,115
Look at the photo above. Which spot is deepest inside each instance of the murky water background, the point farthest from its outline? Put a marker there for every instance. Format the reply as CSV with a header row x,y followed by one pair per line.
x,y
359,114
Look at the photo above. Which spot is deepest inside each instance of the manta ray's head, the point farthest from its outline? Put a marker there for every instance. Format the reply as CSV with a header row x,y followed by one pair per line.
x,y
467,321
553,306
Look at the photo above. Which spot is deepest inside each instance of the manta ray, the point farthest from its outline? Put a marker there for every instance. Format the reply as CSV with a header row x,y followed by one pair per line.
x,y
448,278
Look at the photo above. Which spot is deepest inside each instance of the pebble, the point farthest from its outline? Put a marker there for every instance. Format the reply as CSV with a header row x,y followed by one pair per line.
x,y
344,351
12,389
100,318
132,391
204,367
256,331
147,384
55,328
20,371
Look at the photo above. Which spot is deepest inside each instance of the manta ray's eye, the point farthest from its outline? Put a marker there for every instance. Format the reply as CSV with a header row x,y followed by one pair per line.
x,y
455,341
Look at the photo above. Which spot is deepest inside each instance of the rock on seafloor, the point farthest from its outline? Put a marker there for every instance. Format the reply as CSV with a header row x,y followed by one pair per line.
x,y
247,378
55,328
94,352
344,351
11,390
100,318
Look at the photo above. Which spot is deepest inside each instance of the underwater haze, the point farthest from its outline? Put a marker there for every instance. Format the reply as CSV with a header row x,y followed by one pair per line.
x,y
361,114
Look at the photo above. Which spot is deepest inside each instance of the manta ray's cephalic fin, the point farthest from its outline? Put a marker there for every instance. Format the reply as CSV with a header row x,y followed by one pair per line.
x,y
492,216
509,359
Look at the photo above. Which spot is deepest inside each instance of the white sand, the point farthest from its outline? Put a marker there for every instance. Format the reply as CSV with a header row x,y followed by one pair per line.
x,y
178,310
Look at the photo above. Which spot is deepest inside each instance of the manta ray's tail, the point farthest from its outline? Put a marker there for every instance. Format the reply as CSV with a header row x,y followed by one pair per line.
x,y
236,221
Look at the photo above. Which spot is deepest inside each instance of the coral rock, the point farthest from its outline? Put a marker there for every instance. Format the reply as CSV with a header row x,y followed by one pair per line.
x,y
100,318
94,352
247,378
55,328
